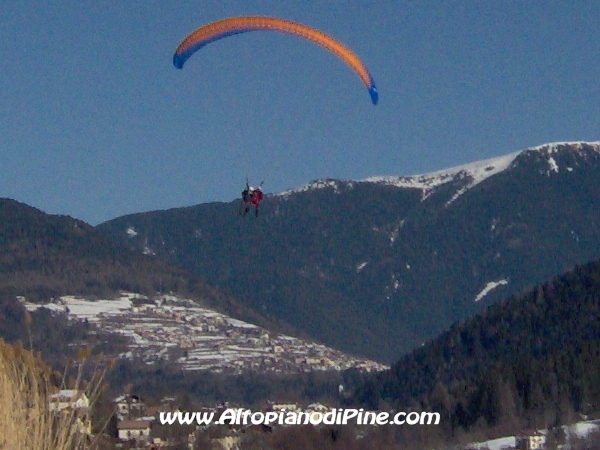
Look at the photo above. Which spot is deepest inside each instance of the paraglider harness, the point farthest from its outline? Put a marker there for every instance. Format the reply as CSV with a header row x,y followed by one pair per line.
x,y
251,196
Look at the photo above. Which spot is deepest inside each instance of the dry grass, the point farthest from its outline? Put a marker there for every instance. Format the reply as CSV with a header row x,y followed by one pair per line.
x,y
26,420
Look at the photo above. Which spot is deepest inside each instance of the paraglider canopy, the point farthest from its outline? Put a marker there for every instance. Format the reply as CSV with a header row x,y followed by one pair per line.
x,y
236,25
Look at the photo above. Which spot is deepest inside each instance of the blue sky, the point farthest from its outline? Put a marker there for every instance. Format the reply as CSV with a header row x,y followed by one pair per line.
x,y
95,122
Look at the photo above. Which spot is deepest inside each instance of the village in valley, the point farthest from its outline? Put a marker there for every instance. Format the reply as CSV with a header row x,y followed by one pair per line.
x,y
169,328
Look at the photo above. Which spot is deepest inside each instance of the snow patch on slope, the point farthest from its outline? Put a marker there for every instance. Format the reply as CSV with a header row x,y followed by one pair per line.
x,y
553,165
503,443
82,308
476,171
361,266
488,287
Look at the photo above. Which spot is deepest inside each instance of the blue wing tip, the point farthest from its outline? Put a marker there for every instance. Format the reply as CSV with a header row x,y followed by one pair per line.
x,y
374,94
178,61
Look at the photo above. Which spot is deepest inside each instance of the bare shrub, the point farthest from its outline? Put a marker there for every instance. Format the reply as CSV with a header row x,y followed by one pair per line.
x,y
27,421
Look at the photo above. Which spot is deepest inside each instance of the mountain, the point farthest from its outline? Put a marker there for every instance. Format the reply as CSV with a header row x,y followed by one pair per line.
x,y
44,256
376,267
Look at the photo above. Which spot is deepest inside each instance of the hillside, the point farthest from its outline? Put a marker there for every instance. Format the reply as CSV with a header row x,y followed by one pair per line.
x,y
526,362
44,256
376,267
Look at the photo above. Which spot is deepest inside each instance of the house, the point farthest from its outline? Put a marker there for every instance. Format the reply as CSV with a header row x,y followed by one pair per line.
x,y
69,398
129,406
531,440
138,430
76,402
317,407
284,407
152,412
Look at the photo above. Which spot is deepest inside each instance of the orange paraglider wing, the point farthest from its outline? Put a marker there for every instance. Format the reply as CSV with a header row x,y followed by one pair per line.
x,y
236,25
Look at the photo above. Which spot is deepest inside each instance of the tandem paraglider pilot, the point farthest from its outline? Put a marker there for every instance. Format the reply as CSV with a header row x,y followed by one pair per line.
x,y
251,196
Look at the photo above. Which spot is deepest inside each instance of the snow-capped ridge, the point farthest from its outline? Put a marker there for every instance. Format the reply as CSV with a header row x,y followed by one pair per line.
x,y
479,171
474,172
317,184
553,152
554,147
